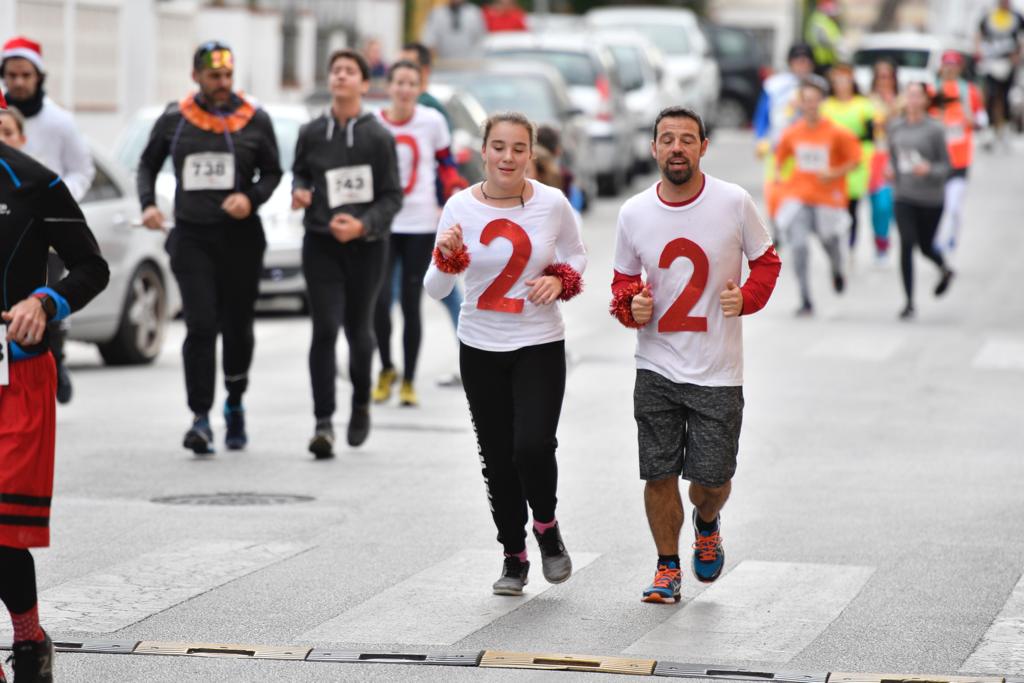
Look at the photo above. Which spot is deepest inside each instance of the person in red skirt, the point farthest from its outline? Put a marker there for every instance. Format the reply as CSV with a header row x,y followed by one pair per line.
x,y
36,213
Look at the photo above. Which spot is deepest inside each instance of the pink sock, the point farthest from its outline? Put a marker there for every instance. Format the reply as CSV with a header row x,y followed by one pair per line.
x,y
26,626
521,556
541,527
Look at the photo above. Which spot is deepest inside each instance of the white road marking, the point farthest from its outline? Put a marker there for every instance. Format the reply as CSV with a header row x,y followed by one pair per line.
x,y
113,599
758,612
1002,649
440,605
1000,354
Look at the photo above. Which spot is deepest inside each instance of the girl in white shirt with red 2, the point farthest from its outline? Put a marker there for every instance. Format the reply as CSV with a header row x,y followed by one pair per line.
x,y
520,250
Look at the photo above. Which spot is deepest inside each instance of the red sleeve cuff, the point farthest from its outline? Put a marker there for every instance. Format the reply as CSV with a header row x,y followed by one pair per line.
x,y
454,264
572,281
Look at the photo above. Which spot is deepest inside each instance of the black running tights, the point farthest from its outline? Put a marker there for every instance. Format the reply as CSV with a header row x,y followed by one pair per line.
x,y
411,254
17,579
515,399
917,225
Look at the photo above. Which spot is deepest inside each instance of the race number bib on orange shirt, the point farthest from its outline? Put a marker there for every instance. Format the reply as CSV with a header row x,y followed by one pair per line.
x,y
812,158
955,132
208,171
349,185
5,358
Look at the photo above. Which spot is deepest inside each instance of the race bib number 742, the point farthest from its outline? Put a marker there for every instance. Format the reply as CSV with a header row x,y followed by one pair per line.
x,y
5,359
349,185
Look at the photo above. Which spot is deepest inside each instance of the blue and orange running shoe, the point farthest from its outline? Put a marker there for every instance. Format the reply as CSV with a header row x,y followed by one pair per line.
x,y
666,585
708,554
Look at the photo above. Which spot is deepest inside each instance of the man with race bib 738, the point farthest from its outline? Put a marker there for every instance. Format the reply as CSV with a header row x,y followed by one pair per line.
x,y
689,234
218,142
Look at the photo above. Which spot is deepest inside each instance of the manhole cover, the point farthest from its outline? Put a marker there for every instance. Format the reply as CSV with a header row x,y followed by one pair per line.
x,y
242,498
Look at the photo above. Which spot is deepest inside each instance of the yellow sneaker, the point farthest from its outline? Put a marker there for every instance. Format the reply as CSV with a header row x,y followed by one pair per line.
x,y
386,380
407,394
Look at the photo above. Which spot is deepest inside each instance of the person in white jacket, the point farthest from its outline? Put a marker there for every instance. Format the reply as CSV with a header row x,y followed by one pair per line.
x,y
53,140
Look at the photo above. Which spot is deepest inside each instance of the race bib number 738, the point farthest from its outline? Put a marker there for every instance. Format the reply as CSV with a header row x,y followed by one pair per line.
x,y
5,360
208,171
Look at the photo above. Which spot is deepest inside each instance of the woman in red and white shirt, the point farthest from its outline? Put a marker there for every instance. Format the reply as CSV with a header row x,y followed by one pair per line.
x,y
519,248
422,144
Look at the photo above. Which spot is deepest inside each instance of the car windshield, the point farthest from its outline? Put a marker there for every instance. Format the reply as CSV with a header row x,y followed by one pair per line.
x,y
576,67
631,69
672,39
136,136
910,58
507,92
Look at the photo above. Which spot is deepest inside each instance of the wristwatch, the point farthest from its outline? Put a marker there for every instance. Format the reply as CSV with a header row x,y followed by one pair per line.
x,y
49,305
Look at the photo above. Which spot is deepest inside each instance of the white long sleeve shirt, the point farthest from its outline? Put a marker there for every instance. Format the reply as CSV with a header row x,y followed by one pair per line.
x,y
53,140
507,247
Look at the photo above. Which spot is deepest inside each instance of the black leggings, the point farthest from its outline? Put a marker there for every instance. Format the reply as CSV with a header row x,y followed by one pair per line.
x,y
17,579
342,282
410,253
515,398
852,208
218,272
917,225
997,98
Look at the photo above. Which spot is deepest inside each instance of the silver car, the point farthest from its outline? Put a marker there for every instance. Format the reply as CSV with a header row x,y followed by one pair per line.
x,y
282,262
589,70
127,320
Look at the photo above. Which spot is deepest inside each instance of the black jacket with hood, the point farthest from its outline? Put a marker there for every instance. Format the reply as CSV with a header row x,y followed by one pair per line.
x,y
323,145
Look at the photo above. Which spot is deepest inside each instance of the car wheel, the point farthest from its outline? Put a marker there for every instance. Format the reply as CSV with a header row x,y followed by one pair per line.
x,y
731,113
140,335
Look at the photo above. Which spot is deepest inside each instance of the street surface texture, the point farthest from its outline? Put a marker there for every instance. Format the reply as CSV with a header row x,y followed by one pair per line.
x,y
877,521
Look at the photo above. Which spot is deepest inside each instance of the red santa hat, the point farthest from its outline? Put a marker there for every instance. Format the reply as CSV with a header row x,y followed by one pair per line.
x,y
22,47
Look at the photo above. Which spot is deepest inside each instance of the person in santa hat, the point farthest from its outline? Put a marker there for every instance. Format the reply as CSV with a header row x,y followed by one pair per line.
x,y
37,213
54,141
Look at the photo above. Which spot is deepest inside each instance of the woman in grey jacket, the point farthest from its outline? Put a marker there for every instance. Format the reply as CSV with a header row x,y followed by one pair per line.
x,y
920,166
346,178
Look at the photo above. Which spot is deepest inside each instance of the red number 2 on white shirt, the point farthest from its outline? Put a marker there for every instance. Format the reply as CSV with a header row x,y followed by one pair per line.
x,y
493,298
677,318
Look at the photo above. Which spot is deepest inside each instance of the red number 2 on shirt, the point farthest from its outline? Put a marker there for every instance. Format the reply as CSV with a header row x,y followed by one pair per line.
x,y
677,318
493,298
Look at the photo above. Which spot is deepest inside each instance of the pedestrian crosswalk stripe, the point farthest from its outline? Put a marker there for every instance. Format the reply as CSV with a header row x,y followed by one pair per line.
x,y
1000,354
112,599
440,605
1001,650
758,612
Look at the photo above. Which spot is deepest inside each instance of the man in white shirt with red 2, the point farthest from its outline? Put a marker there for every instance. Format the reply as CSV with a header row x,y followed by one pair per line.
x,y
688,234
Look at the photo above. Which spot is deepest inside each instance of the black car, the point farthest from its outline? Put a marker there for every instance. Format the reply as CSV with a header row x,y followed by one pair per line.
x,y
743,63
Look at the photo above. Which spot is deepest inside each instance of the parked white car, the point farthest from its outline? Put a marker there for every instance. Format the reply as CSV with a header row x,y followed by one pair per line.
x,y
917,56
127,320
689,62
282,262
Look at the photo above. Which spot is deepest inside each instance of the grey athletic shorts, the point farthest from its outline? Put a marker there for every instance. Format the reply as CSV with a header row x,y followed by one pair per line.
x,y
687,430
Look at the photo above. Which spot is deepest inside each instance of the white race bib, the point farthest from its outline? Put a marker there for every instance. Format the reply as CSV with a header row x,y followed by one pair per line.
x,y
955,132
349,185
907,159
208,171
812,158
5,358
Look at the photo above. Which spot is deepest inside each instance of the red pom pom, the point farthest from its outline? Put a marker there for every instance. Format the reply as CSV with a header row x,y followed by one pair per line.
x,y
454,264
572,281
621,306
451,181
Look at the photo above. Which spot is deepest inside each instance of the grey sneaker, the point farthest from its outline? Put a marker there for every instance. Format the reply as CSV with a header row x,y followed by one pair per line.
x,y
513,577
554,558
322,443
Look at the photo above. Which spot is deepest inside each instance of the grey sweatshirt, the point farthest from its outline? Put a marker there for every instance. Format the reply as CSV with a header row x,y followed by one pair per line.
x,y
911,143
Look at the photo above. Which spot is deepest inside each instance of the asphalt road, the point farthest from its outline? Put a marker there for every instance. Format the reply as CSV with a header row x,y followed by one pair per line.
x,y
876,521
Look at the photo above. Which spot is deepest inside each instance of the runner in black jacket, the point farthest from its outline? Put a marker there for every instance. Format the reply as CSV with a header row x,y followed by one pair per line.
x,y
36,213
346,177
218,143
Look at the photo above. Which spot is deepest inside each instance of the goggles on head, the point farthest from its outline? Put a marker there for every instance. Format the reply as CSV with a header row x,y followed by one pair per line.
x,y
214,55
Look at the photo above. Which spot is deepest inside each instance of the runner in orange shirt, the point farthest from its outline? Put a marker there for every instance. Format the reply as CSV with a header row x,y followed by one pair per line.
x,y
960,108
814,199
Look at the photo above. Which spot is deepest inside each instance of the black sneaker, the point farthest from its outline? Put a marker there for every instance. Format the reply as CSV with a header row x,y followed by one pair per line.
x,y
555,560
322,443
358,425
236,438
908,312
513,577
838,282
947,277
64,389
199,437
806,310
33,661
